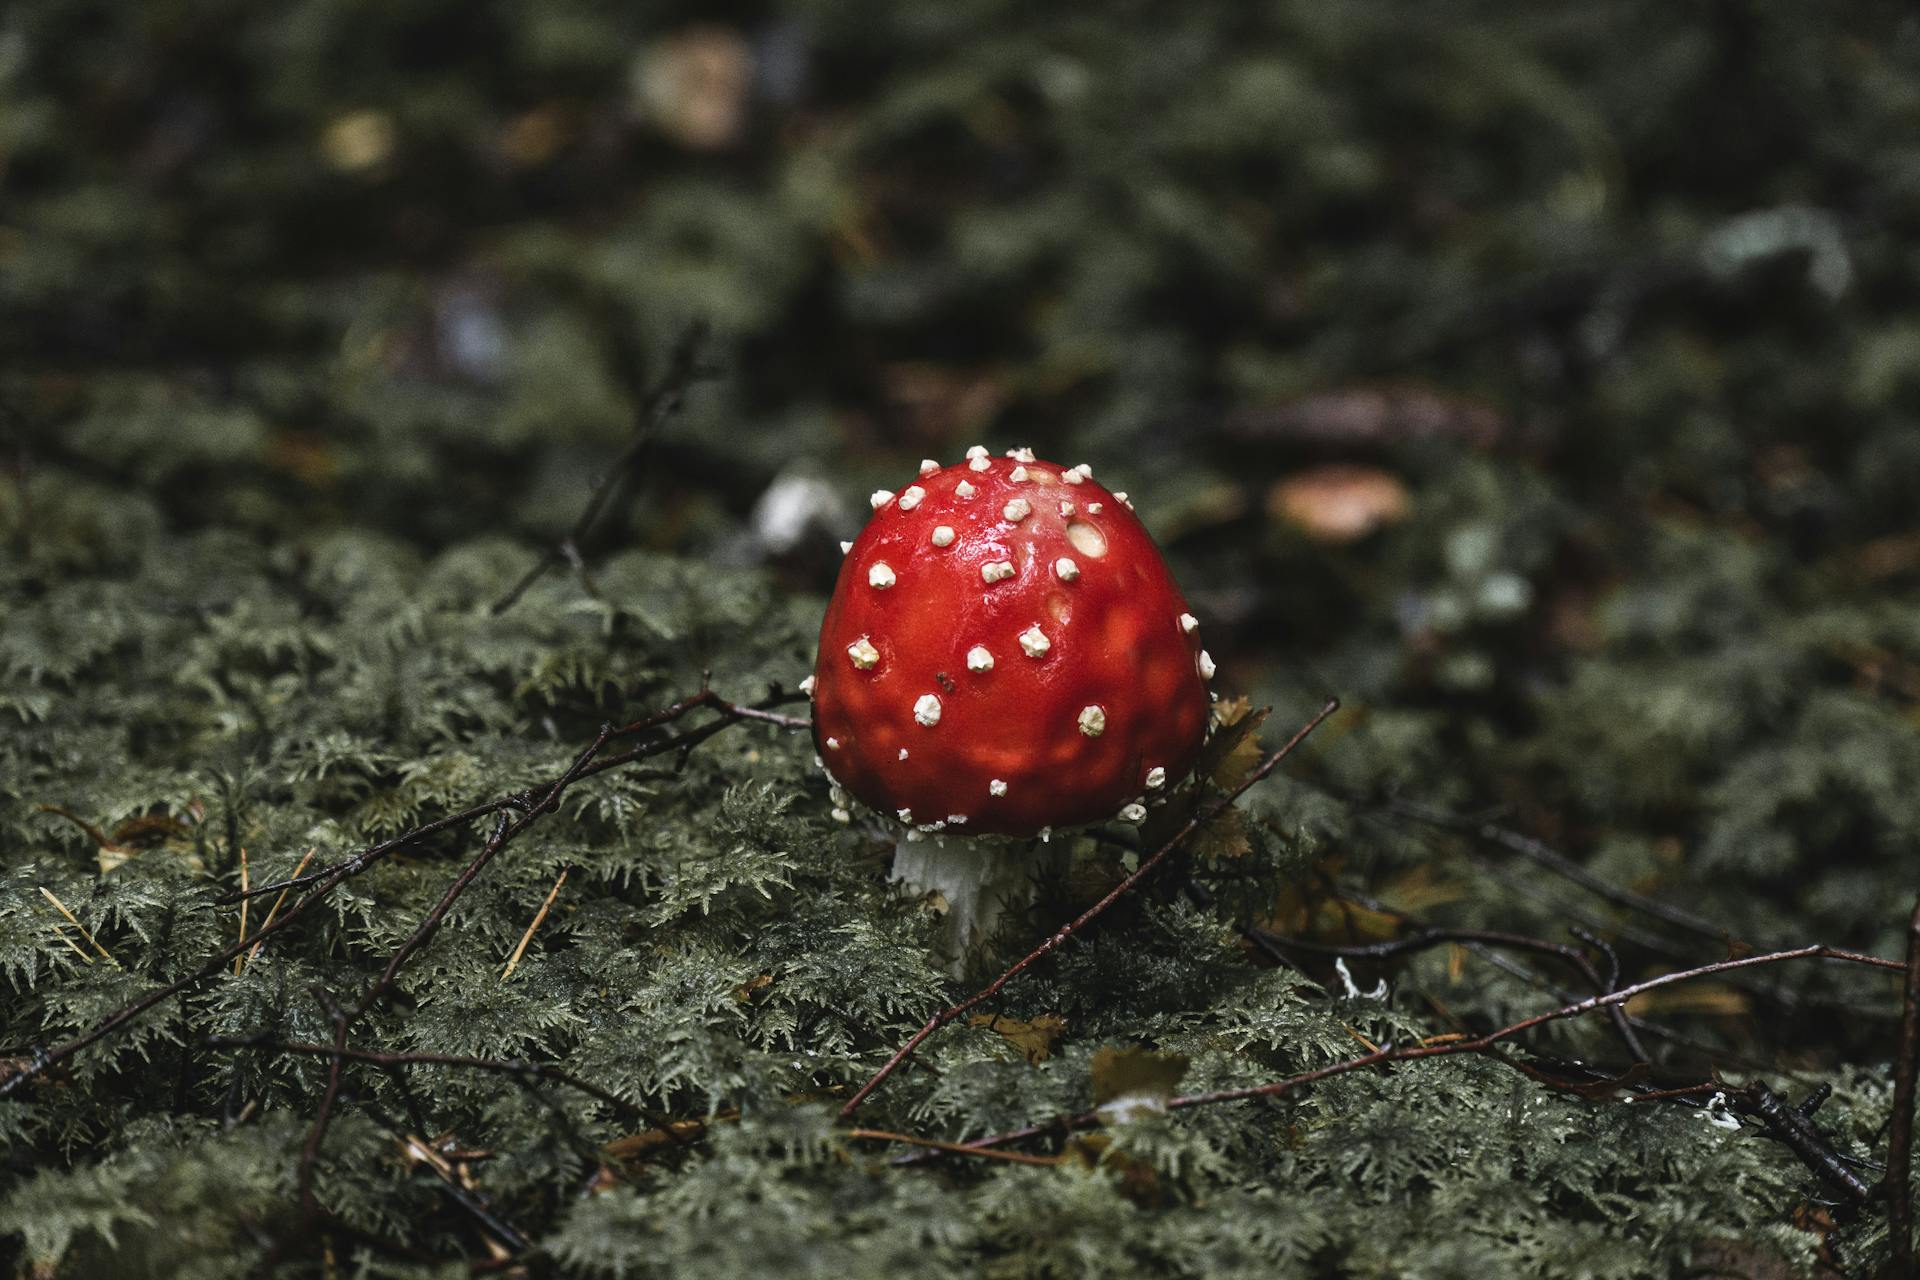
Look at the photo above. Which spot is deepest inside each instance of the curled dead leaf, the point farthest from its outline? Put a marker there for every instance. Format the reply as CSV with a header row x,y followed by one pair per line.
x,y
1339,503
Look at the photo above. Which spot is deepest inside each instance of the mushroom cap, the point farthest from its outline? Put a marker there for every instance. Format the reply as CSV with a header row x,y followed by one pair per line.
x,y
1091,679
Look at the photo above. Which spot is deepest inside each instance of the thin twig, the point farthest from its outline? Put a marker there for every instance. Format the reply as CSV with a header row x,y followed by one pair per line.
x,y
656,407
513,961
1477,1044
274,910
954,1148
1146,868
325,881
1426,938
1899,1179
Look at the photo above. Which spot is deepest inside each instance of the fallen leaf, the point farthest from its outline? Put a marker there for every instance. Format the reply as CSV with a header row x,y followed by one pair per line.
x,y
1034,1038
1338,503
1233,751
1693,997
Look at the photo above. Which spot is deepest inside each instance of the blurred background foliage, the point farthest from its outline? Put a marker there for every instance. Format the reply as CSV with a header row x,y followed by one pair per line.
x,y
1542,379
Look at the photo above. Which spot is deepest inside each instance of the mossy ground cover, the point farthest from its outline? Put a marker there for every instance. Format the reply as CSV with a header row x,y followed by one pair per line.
x,y
1540,380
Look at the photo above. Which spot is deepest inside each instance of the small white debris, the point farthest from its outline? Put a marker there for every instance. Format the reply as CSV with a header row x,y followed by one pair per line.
x,y
1189,623
880,498
1133,813
1046,835
1206,665
841,815
833,744
1123,500
964,489
912,497
996,788
1156,778
863,654
1716,1114
1093,721
943,535
1353,992
1066,510
1018,475
927,710
1017,510
1066,568
997,571
928,466
845,547
806,686
903,753
1034,642
956,819
881,575
1022,454
906,815
1094,508
979,659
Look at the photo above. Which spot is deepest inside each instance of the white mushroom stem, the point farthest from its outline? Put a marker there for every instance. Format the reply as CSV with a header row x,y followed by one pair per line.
x,y
984,881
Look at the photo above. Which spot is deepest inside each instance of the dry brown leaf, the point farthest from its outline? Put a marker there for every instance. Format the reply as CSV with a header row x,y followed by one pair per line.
x,y
1034,1038
1338,503
1139,1076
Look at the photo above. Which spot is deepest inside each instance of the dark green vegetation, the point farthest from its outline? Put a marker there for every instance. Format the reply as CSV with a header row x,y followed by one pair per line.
x,y
318,317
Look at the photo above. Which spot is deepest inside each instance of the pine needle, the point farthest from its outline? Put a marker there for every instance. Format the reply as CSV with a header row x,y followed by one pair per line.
x,y
239,962
513,961
61,907
275,908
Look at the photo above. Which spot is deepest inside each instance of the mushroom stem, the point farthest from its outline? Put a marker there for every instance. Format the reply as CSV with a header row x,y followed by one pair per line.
x,y
983,880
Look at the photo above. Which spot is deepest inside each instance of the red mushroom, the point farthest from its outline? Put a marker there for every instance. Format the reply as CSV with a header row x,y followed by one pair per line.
x,y
1006,653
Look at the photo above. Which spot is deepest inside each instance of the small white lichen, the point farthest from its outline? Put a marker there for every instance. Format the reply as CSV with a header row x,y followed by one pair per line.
x,y
1156,778
912,497
880,498
927,710
1034,642
862,654
979,659
1066,568
881,575
996,571
1017,510
1093,721
943,535
996,788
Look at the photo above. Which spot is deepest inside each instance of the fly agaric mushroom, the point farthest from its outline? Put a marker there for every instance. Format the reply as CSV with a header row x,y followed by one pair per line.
x,y
1005,654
